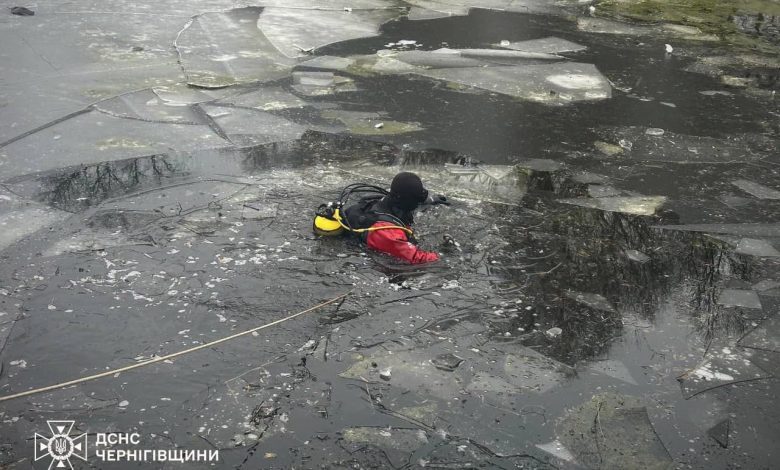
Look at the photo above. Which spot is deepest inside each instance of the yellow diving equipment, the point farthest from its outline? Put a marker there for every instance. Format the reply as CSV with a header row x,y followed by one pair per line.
x,y
327,220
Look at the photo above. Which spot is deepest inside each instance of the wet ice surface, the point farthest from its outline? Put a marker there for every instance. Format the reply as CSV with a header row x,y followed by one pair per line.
x,y
611,297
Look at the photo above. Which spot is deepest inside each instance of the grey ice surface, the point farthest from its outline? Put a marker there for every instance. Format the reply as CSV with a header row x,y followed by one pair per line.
x,y
756,247
298,31
220,49
98,137
419,13
443,8
247,127
758,190
739,298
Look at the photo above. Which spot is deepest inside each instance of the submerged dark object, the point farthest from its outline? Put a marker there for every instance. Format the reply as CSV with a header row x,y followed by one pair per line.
x,y
720,433
447,362
22,11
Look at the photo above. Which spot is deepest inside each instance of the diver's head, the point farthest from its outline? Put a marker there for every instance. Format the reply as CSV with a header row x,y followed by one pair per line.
x,y
407,191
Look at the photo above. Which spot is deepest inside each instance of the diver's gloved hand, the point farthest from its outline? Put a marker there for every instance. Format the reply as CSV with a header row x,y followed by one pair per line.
x,y
437,199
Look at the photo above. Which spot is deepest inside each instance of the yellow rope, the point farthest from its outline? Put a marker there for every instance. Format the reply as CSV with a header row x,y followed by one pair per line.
x,y
169,356
372,229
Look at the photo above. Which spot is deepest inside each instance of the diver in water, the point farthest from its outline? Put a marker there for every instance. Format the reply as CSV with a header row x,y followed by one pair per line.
x,y
382,219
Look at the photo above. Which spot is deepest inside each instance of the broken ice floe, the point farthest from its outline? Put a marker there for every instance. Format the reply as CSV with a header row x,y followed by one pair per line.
x,y
364,123
597,190
557,450
298,31
758,190
248,127
326,62
613,432
765,336
720,432
265,99
636,205
748,229
496,181
146,105
432,9
600,25
397,443
499,56
418,14
547,83
728,367
414,370
756,247
487,69
321,83
462,7
550,45
534,372
739,298
220,49
183,95
19,218
419,60
765,285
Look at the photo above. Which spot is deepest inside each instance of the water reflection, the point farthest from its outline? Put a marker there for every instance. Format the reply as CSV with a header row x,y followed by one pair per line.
x,y
595,252
74,190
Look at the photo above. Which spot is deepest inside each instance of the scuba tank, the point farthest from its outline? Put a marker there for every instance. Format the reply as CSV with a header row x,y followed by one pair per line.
x,y
329,219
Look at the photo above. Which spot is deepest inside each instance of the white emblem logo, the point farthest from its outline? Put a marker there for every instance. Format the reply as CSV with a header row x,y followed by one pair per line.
x,y
60,446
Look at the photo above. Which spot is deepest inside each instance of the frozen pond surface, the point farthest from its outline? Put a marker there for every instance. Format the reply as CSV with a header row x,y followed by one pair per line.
x,y
610,301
